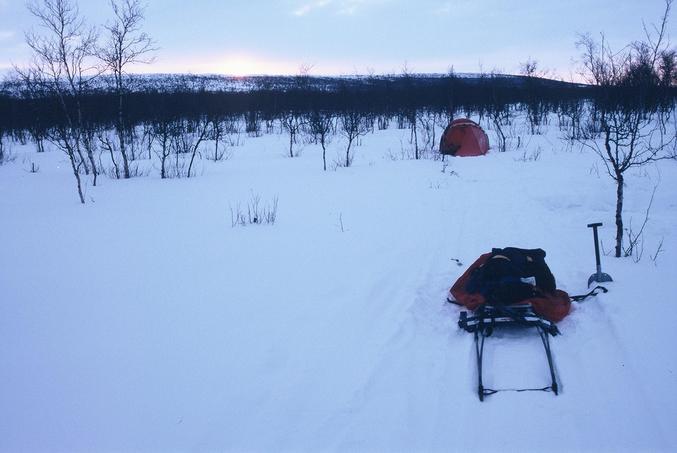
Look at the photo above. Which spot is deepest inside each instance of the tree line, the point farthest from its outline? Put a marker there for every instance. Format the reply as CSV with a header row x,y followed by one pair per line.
x,y
78,95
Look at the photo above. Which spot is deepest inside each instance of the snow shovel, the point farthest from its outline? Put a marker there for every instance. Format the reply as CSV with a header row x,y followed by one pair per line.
x,y
598,276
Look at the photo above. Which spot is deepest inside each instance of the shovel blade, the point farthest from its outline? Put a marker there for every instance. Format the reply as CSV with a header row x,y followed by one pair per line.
x,y
599,277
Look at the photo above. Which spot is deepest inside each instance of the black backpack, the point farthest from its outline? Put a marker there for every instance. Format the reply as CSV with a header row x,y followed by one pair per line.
x,y
502,279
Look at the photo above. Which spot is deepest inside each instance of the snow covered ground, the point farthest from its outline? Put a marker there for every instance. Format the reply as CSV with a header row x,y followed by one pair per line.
x,y
143,321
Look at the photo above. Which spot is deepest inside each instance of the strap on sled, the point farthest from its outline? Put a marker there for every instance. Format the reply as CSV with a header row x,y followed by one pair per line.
x,y
488,317
582,297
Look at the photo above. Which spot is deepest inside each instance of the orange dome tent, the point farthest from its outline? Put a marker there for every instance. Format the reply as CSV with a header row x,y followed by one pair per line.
x,y
464,137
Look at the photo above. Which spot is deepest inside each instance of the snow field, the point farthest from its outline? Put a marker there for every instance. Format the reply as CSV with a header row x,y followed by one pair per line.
x,y
143,321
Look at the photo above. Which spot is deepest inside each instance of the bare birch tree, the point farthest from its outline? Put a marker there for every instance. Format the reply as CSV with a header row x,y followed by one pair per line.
x,y
62,69
292,122
321,125
126,44
163,130
631,136
353,126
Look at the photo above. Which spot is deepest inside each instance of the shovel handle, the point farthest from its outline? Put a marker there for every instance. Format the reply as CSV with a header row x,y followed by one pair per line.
x,y
594,233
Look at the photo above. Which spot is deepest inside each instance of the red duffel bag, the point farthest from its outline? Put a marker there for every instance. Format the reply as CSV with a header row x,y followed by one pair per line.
x,y
552,305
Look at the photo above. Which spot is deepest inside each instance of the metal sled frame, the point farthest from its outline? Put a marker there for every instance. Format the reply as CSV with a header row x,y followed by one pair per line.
x,y
489,317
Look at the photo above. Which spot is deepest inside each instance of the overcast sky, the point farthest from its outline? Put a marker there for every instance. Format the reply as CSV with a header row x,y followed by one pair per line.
x,y
359,36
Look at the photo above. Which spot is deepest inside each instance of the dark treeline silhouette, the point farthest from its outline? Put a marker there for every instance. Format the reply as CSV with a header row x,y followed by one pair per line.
x,y
21,111
174,123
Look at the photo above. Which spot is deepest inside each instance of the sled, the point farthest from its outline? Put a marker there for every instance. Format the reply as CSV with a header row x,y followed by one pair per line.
x,y
487,318
493,290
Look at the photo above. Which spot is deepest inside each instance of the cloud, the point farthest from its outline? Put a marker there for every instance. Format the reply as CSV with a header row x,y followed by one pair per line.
x,y
311,6
456,6
6,34
349,7
342,7
445,8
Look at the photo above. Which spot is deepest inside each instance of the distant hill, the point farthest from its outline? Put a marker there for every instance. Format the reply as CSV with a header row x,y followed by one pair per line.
x,y
170,83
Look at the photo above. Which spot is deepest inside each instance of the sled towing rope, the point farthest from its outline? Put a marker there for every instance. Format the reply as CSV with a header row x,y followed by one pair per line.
x,y
489,317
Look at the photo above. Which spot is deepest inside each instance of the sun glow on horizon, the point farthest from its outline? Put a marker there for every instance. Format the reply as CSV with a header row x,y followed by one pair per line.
x,y
236,65
243,65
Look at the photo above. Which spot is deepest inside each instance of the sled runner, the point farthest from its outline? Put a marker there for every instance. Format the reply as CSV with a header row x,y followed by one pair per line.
x,y
489,317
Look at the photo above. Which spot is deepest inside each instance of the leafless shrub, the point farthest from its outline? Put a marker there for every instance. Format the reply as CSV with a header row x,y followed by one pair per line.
x,y
594,170
431,154
160,136
401,121
340,223
233,140
672,152
111,146
337,162
186,140
500,116
445,166
591,128
111,165
428,130
383,122
217,133
224,153
659,249
253,123
257,213
232,125
176,167
570,116
635,239
395,156
136,170
498,110
406,152
233,132
530,156
635,247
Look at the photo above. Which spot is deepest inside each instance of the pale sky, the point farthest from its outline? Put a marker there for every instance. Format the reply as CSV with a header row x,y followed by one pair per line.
x,y
340,37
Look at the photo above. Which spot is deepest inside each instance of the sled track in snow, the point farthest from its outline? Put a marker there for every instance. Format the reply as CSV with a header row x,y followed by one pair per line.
x,y
408,387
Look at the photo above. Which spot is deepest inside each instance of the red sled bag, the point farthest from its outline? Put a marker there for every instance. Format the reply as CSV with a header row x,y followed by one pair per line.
x,y
499,277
